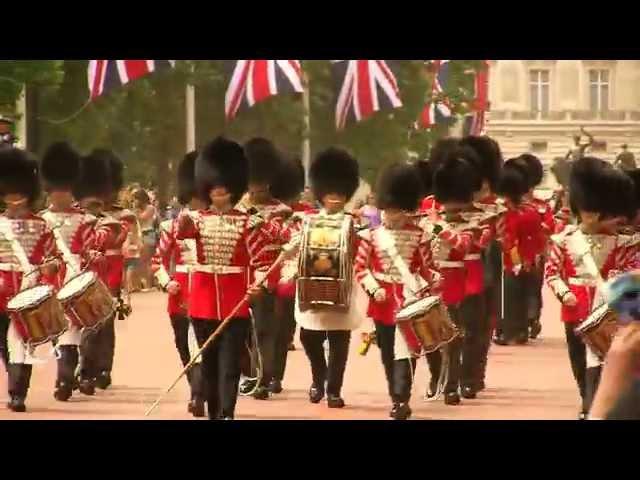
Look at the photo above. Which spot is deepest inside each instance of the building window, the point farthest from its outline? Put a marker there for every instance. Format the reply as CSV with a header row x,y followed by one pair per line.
x,y
538,147
599,90
539,90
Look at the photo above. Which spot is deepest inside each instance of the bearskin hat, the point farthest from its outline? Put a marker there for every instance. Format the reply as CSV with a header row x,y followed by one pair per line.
x,y
290,182
19,173
94,179
635,177
399,186
561,169
264,160
489,156
186,178
334,171
60,166
425,173
595,186
535,170
441,151
222,163
514,179
455,180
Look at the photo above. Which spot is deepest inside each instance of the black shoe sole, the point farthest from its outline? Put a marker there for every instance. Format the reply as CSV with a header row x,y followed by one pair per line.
x,y
62,396
452,402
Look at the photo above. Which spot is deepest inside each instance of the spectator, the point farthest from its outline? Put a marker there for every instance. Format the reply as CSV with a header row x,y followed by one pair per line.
x,y
618,396
626,160
147,218
132,249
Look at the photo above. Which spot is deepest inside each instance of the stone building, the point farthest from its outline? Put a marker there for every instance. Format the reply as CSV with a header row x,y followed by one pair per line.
x,y
538,105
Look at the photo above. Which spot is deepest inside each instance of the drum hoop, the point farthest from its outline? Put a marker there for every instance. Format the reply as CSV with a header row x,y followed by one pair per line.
x,y
36,303
83,289
436,300
593,320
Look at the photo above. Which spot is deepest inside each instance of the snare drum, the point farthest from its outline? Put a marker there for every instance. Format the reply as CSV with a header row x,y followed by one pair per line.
x,y
86,300
598,330
37,314
426,325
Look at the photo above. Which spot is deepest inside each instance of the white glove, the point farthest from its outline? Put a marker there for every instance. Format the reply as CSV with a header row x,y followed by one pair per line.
x,y
380,295
570,300
173,287
517,269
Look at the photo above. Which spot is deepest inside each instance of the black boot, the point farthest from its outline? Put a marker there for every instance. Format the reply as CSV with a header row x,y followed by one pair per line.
x,y
501,340
316,394
468,392
403,412
63,391
451,398
16,404
261,393
394,409
103,380
275,386
335,401
536,328
87,387
522,338
196,407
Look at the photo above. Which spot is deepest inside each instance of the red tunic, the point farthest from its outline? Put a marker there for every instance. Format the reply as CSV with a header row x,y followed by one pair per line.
x,y
227,245
374,268
37,242
565,271
78,235
450,248
521,231
113,249
180,253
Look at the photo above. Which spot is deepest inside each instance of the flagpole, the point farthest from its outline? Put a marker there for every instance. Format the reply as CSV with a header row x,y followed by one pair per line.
x,y
21,110
306,135
190,101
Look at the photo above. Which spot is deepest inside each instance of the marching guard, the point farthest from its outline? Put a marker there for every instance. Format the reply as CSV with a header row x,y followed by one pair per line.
x,y
325,306
228,243
582,256
28,257
265,163
76,237
394,266
173,262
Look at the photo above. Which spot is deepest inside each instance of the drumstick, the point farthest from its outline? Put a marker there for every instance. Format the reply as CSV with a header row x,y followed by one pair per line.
x,y
215,334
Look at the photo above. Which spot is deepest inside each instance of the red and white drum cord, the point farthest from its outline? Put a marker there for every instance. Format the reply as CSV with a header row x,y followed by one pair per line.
x,y
442,379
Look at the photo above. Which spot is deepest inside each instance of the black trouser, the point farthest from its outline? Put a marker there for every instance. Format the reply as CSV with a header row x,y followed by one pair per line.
x,y
263,310
454,356
490,313
578,359
592,381
475,323
520,298
221,364
97,349
19,379
333,373
180,325
67,364
385,338
493,273
535,302
285,330
403,372
4,348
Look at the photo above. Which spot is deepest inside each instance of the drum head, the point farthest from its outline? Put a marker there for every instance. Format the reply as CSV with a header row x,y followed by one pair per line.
x,y
76,285
594,319
30,298
417,308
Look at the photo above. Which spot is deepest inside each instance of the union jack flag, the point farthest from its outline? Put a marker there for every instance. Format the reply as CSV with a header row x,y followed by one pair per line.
x,y
364,87
105,75
437,111
253,81
475,124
